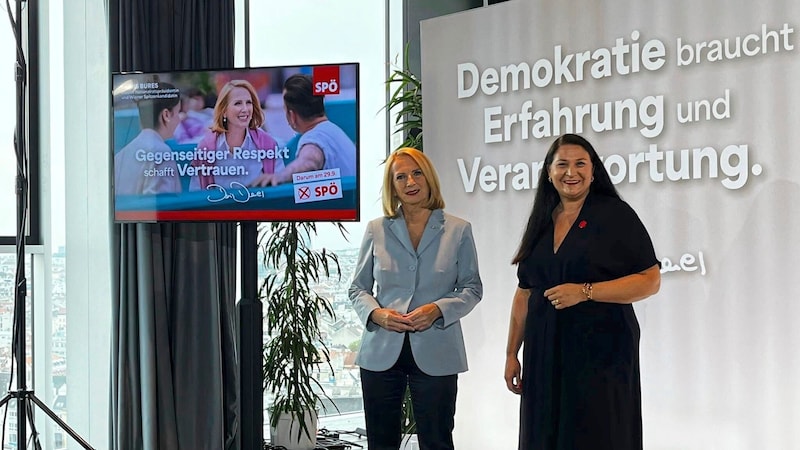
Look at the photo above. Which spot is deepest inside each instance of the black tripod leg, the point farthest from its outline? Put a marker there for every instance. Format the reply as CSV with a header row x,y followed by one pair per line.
x,y
60,422
6,398
34,433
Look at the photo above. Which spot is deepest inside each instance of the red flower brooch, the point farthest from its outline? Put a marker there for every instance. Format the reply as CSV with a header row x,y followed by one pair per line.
x,y
582,224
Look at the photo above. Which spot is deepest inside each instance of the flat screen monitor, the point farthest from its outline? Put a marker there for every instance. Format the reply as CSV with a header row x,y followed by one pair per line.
x,y
255,144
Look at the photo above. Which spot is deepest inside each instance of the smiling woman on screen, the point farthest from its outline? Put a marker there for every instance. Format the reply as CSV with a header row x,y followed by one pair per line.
x,y
224,154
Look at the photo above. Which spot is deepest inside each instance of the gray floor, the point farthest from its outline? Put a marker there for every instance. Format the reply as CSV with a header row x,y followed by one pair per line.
x,y
350,429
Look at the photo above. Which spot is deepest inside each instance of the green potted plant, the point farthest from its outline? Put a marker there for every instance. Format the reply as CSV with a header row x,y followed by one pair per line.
x,y
295,348
405,102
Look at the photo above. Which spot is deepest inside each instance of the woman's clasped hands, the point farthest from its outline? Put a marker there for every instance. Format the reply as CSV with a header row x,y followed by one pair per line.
x,y
420,319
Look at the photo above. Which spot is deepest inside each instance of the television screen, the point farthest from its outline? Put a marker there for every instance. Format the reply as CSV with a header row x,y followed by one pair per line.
x,y
256,144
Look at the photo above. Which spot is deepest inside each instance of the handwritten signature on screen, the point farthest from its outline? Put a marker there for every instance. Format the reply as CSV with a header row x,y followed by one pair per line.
x,y
236,192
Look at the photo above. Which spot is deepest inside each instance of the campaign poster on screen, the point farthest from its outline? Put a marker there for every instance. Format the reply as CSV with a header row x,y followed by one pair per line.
x,y
260,144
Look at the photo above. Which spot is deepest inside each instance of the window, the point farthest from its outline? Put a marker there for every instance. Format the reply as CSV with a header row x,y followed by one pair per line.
x,y
9,123
44,299
353,32
8,166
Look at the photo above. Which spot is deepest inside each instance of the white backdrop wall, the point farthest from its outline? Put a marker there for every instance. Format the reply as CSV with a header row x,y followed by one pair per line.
x,y
703,149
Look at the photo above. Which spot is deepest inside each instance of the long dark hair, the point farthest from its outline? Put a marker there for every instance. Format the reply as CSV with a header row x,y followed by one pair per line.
x,y
547,197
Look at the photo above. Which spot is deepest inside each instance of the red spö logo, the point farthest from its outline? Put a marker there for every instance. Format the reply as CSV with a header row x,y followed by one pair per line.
x,y
326,80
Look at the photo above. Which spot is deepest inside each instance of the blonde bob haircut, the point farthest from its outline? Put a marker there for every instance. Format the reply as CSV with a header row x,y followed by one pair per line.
x,y
391,202
224,98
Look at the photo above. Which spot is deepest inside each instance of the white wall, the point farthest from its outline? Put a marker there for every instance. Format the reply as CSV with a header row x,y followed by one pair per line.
x,y
719,347
88,217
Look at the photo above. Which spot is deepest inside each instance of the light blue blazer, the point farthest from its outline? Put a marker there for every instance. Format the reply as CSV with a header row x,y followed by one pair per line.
x,y
391,274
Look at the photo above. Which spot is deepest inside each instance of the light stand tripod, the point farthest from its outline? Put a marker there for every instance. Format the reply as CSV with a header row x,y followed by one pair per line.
x,y
22,394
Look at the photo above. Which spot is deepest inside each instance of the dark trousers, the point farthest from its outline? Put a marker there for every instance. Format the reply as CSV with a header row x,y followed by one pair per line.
x,y
433,399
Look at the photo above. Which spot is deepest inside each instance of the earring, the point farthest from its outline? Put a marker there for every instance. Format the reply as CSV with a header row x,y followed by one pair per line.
x,y
591,179
549,180
225,122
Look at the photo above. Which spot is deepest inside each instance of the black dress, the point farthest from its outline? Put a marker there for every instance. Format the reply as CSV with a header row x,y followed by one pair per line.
x,y
580,370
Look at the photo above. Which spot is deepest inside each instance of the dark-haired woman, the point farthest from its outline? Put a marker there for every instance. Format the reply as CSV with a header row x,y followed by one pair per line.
x,y
585,257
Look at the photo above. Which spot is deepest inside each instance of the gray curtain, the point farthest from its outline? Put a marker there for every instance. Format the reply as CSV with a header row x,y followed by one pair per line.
x,y
174,365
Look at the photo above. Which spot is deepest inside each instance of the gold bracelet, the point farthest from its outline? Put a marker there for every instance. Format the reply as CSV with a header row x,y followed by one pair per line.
x,y
587,290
